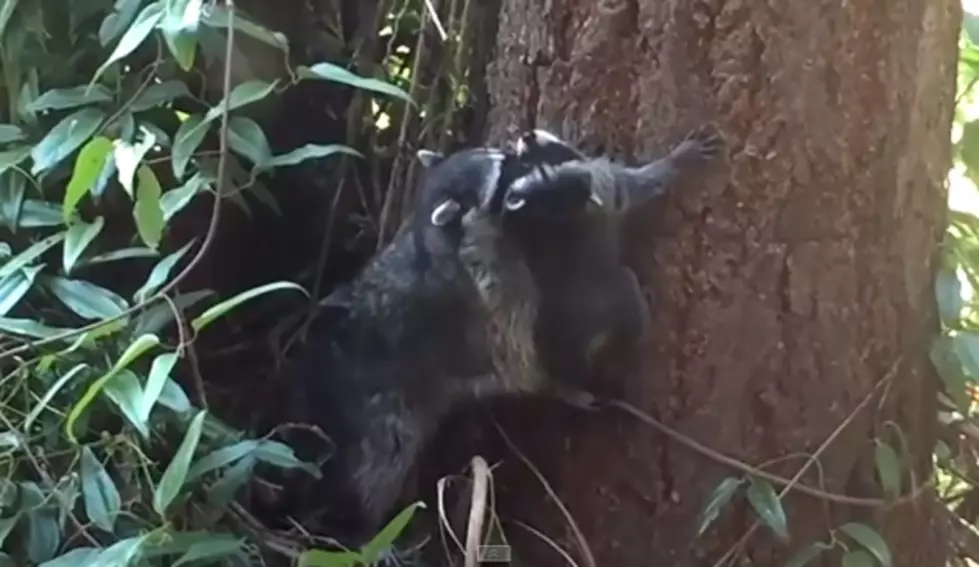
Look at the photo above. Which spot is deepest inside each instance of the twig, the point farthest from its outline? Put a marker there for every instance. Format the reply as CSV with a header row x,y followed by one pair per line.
x,y
477,509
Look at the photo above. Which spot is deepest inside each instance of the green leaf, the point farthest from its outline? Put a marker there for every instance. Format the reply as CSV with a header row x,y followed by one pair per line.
x,y
282,455
764,500
10,133
384,539
176,473
102,501
718,499
173,201
870,539
220,545
320,558
311,151
224,490
39,214
858,558
51,393
967,347
118,21
337,74
80,235
159,374
65,138
227,305
243,94
971,24
217,17
125,391
121,553
78,557
156,318
173,397
948,292
132,352
128,157
88,167
160,273
30,328
71,97
158,94
221,458
179,27
10,158
14,287
147,211
949,368
888,468
134,36
43,529
86,299
189,136
121,254
13,189
30,254
246,138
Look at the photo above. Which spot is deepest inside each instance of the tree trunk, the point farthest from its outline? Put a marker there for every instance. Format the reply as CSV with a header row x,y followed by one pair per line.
x,y
784,292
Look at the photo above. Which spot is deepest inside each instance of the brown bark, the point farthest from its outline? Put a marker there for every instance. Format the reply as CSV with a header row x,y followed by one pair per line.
x,y
782,292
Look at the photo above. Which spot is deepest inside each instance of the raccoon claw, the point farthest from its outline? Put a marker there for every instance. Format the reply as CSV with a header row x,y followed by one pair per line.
x,y
703,144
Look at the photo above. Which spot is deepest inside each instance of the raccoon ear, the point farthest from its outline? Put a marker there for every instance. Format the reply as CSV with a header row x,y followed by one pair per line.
x,y
428,158
445,212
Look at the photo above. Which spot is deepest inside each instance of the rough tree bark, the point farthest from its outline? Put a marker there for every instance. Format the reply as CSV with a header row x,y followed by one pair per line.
x,y
782,292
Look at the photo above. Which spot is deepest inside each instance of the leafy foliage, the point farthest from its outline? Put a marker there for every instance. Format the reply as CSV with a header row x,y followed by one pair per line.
x,y
105,454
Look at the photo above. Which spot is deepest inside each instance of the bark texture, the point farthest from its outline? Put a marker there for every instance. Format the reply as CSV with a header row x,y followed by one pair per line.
x,y
782,290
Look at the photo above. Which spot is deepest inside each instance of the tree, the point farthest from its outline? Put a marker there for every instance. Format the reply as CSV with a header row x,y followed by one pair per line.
x,y
789,298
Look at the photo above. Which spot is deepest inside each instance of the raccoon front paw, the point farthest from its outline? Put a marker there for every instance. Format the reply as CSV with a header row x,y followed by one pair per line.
x,y
702,145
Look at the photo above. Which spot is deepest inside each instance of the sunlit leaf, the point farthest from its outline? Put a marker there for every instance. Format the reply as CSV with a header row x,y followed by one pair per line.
x,y
189,136
384,539
128,157
338,74
869,539
132,352
102,501
80,235
160,273
967,347
147,211
766,503
718,499
229,304
121,254
159,374
71,97
121,553
30,328
134,36
179,27
221,457
176,473
173,201
78,557
125,392
14,287
87,300
971,24
243,94
118,21
30,254
320,558
311,151
51,393
66,137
